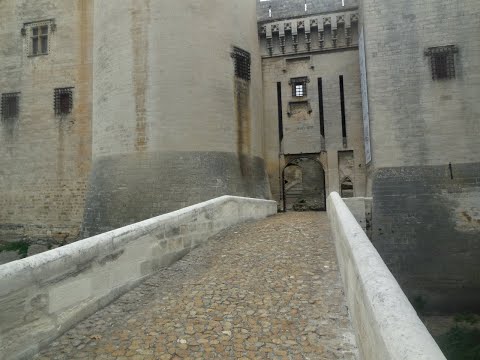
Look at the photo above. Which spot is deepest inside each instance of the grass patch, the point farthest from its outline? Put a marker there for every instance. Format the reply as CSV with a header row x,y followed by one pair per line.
x,y
21,247
460,343
471,319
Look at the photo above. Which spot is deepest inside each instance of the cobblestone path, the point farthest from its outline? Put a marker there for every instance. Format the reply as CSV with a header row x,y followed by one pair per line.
x,y
264,290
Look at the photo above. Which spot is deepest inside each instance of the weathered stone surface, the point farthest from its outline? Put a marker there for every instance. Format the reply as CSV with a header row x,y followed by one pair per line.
x,y
170,127
361,208
386,324
7,256
424,215
160,182
425,224
302,136
268,290
157,123
43,296
36,249
282,9
45,159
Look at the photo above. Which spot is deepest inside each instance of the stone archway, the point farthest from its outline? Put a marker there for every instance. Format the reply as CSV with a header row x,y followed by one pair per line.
x,y
304,185
346,188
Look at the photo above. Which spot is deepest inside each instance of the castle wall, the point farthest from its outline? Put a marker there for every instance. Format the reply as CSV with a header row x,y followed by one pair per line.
x,y
173,125
425,145
302,135
44,158
300,120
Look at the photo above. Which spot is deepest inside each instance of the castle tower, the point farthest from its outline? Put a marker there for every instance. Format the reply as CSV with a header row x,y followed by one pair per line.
x,y
177,112
422,66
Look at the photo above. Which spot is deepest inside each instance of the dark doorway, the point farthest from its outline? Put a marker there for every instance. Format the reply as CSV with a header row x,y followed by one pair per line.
x,y
346,188
304,185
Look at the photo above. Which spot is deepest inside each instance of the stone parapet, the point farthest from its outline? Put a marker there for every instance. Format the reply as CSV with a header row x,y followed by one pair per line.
x,y
361,208
385,323
43,296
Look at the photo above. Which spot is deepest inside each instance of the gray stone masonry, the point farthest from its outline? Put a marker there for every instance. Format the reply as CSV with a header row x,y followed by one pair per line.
x,y
282,9
265,290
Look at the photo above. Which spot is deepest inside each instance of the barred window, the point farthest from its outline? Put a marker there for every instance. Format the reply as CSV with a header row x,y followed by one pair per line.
x,y
442,61
10,106
63,101
242,63
300,90
299,86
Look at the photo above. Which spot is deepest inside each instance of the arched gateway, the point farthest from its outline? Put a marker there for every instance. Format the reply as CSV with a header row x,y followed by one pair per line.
x,y
303,180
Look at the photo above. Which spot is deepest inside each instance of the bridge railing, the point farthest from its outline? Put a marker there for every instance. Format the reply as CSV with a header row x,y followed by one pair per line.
x,y
385,323
43,296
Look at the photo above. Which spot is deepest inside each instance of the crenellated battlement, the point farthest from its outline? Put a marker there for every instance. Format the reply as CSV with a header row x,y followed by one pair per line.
x,y
311,33
272,10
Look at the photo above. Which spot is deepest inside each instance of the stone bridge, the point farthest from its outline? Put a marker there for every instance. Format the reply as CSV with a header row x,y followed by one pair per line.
x,y
264,286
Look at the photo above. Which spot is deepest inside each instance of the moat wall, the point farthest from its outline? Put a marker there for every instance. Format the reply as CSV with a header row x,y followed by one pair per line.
x,y
386,325
425,144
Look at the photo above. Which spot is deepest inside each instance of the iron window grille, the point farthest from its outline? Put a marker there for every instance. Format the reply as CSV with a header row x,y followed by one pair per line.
x,y
63,101
242,61
300,90
10,106
442,61
299,86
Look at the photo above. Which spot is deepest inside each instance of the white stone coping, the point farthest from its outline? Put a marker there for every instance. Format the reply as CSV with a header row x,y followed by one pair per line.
x,y
112,239
44,295
386,325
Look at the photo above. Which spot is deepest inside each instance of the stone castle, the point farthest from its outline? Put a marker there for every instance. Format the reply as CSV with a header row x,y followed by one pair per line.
x,y
117,111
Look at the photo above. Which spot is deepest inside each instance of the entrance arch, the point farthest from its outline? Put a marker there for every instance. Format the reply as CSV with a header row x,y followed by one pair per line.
x,y
346,188
303,180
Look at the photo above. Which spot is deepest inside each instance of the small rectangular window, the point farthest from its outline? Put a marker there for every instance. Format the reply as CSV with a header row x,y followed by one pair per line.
x,y
442,61
44,39
63,101
299,86
34,45
300,90
242,63
10,106
40,40
37,36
